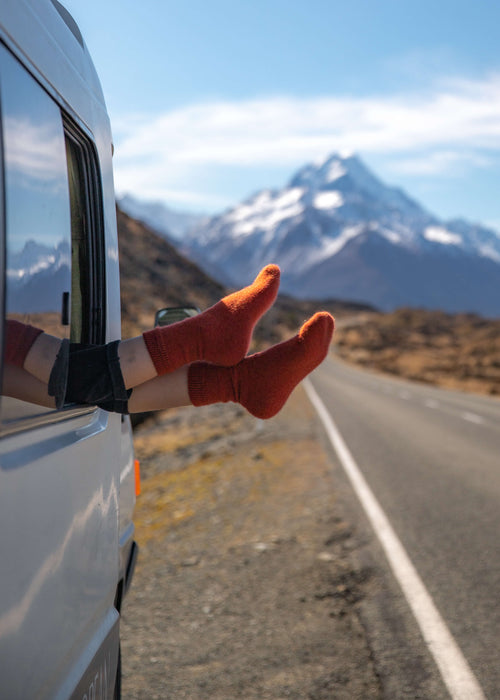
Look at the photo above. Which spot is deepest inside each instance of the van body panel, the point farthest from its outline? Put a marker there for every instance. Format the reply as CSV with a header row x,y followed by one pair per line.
x,y
95,669
127,498
61,542
67,482
36,31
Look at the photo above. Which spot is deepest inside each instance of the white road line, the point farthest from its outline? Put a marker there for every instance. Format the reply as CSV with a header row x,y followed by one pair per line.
x,y
472,418
464,415
455,671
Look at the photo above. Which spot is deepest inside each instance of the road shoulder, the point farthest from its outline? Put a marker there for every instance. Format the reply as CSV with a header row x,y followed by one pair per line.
x,y
245,585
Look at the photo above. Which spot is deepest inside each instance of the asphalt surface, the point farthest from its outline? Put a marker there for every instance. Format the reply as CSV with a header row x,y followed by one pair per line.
x,y
432,460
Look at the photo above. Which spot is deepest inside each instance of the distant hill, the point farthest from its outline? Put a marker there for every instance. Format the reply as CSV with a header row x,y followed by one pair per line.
x,y
154,275
170,223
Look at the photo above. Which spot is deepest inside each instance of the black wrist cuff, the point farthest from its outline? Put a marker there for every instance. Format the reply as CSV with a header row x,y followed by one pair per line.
x,y
59,375
94,377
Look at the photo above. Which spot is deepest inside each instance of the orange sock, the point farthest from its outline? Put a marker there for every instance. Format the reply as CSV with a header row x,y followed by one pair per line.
x,y
263,382
220,334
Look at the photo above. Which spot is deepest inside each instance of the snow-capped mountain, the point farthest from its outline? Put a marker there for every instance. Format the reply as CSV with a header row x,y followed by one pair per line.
x,y
170,223
38,275
337,231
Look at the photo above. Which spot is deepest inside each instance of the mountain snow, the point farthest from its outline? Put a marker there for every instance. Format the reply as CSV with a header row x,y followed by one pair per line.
x,y
328,200
38,274
439,234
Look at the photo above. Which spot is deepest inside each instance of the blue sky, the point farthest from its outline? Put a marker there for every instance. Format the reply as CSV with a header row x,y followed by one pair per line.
x,y
210,102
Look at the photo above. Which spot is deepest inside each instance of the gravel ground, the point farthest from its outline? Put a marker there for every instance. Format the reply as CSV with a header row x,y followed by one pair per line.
x,y
248,584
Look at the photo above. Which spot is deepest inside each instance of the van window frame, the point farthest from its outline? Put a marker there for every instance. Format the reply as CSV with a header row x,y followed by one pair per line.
x,y
3,248
96,257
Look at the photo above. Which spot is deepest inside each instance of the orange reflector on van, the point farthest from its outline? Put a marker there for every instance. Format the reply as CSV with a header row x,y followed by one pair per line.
x,y
137,466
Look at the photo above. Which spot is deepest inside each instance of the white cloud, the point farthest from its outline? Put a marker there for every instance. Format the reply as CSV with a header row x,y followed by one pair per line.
x,y
450,123
36,150
438,162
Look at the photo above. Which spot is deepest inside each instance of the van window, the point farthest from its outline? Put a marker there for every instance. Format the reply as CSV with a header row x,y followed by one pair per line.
x,y
50,282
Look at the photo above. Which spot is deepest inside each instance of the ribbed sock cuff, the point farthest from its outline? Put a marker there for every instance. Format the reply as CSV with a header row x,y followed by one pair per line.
x,y
197,384
208,384
154,344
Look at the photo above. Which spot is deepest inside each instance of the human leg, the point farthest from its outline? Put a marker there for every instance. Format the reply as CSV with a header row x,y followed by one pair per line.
x,y
82,374
161,393
19,384
41,356
221,334
261,383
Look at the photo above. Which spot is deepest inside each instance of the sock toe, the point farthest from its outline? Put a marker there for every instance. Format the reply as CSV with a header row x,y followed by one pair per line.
x,y
269,271
319,329
271,376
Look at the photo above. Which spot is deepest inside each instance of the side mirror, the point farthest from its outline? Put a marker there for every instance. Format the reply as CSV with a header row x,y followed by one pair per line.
x,y
172,314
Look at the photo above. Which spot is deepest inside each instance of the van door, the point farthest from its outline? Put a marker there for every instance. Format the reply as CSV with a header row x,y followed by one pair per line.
x,y
59,480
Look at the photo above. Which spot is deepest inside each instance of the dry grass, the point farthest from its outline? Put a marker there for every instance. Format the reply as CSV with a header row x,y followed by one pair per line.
x,y
460,351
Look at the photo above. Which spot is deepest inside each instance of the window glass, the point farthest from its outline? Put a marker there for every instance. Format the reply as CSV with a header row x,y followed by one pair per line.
x,y
38,246
37,220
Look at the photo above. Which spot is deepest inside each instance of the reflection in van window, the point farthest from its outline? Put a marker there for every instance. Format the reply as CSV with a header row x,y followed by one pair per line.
x,y
37,209
37,200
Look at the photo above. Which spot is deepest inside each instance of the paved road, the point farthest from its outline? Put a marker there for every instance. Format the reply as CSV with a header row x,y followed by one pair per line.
x,y
432,459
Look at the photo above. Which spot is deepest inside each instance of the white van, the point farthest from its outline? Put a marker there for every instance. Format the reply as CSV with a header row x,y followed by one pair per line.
x,y
67,477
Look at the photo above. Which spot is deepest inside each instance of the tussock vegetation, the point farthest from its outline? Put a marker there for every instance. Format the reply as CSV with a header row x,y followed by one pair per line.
x,y
460,351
